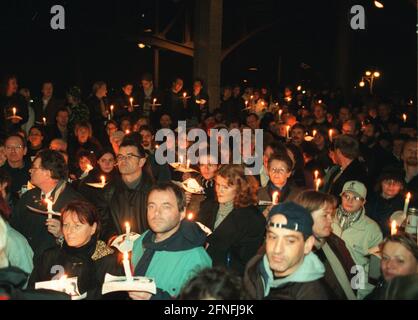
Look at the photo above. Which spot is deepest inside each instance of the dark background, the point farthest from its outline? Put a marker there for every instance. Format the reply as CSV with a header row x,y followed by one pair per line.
x,y
99,43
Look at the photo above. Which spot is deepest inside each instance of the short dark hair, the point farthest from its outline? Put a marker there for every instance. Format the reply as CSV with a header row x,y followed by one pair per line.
x,y
253,115
217,283
146,128
53,161
147,77
178,192
282,157
85,212
298,126
133,140
62,109
16,135
314,200
348,146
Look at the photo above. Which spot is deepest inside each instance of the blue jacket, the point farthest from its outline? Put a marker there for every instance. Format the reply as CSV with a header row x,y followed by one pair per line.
x,y
172,262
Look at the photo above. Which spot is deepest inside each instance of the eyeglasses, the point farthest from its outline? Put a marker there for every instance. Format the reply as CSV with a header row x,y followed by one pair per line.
x,y
129,156
348,197
11,148
278,170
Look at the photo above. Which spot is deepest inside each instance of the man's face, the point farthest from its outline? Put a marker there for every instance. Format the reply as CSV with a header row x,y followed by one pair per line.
x,y
285,248
236,91
102,91
252,122
35,137
47,90
410,154
82,134
38,174
128,89
12,86
163,213
58,145
322,221
351,202
298,136
397,147
129,161
15,151
147,139
178,85
62,118
165,121
397,261
146,84
344,114
111,128
319,112
197,86
349,128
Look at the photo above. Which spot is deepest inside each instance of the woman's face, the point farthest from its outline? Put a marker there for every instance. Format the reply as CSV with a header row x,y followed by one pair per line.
x,y
208,170
322,221
107,162
391,188
279,173
82,134
83,162
35,137
225,193
76,233
111,128
397,261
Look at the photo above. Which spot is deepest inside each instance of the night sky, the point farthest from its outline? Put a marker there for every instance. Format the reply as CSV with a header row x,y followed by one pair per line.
x,y
98,43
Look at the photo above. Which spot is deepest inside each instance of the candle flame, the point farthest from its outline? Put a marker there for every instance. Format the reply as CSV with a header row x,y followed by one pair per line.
x,y
155,100
127,131
393,228
408,196
316,174
190,216
184,94
314,133
404,117
111,107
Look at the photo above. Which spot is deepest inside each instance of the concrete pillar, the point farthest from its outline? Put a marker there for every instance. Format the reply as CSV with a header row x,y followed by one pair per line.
x,y
208,46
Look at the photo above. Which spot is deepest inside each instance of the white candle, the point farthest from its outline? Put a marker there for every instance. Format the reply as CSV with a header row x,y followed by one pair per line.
x,y
127,266
314,133
316,174
128,229
49,207
275,197
280,114
393,228
405,207
317,184
246,103
404,117
14,111
287,132
111,110
330,135
44,121
131,100
188,163
103,180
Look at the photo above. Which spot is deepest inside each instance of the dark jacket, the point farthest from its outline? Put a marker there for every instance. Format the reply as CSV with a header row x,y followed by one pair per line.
x,y
32,224
96,117
237,239
145,105
354,171
19,177
127,205
49,112
89,263
287,193
256,276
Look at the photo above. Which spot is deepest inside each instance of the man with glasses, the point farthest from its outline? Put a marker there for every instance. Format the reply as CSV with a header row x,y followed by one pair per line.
x,y
16,165
127,197
49,173
359,232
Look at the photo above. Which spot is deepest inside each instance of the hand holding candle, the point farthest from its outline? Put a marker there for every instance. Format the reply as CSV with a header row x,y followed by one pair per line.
x,y
103,180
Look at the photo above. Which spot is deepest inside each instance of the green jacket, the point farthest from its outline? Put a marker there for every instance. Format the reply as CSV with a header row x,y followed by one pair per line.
x,y
172,262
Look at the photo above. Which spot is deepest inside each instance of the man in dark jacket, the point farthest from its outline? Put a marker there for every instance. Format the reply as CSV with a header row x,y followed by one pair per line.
x,y
288,270
127,197
49,173
47,106
149,100
345,151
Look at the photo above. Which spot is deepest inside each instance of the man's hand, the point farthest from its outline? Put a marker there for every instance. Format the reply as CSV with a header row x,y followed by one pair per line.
x,y
54,227
139,295
188,197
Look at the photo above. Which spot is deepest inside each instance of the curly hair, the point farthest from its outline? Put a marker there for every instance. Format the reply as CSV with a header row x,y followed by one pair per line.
x,y
247,185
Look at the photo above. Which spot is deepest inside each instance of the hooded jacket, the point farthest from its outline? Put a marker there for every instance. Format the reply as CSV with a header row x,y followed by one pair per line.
x,y
306,283
173,261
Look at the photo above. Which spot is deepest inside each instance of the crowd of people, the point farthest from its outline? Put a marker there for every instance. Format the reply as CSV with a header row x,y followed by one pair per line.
x,y
313,223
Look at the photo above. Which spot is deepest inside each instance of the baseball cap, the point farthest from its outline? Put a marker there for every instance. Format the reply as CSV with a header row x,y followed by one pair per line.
x,y
355,187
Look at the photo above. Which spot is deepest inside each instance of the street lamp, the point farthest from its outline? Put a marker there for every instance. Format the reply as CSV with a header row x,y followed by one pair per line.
x,y
369,76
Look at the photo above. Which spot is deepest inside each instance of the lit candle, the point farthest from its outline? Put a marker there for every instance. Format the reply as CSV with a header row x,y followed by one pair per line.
x,y
404,117
280,114
14,112
190,216
406,205
89,168
128,230
275,197
154,101
314,133
287,132
111,110
188,163
251,97
393,228
317,184
319,101
131,100
127,266
246,103
44,121
103,180
127,131
330,135
316,174
299,88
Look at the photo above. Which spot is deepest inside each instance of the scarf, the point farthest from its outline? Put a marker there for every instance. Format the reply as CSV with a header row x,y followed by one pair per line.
x,y
346,219
224,210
